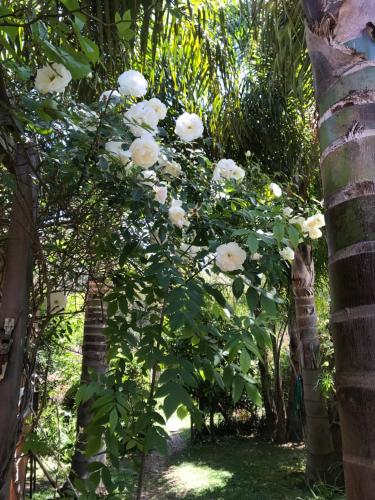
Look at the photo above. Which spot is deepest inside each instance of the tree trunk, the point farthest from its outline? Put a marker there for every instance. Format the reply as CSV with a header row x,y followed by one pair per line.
x,y
342,51
280,436
94,351
320,450
267,396
294,431
14,311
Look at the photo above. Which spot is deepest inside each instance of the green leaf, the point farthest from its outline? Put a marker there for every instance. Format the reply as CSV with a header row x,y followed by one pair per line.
x,y
228,376
94,444
268,305
182,412
245,361
252,243
71,4
89,48
170,404
253,394
278,231
113,419
237,388
252,298
238,287
218,379
216,294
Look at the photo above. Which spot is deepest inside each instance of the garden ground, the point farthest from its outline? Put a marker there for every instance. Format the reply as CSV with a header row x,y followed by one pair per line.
x,y
232,468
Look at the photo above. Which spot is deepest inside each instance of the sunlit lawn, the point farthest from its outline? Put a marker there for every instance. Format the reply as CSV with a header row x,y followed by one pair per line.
x,y
237,469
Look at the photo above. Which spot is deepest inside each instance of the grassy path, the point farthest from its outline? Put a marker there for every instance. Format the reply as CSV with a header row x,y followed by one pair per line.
x,y
234,469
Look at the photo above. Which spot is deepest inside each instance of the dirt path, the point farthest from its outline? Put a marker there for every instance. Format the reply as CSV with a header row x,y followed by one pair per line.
x,y
156,465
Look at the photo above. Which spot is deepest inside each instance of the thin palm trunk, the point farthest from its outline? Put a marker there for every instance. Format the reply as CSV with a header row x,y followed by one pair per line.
x,y
267,394
320,451
341,44
14,311
94,352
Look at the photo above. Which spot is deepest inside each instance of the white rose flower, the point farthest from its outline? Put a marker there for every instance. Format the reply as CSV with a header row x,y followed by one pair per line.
x,y
276,189
315,233
161,194
52,78
144,151
142,115
189,127
228,169
316,220
132,83
248,154
172,168
109,95
256,256
148,177
287,253
177,214
159,108
287,211
230,257
115,149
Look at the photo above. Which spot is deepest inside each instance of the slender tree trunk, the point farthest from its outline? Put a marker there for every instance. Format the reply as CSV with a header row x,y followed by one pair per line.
x,y
294,431
14,311
320,450
280,436
94,351
267,395
341,44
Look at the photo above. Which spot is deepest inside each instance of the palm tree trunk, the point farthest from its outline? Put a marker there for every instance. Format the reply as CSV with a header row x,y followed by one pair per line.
x,y
320,450
94,351
14,310
341,46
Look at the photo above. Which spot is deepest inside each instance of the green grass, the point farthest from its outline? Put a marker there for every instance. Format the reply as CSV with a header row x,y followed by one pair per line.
x,y
237,468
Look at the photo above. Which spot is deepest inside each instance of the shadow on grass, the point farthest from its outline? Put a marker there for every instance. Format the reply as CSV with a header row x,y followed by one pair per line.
x,y
236,469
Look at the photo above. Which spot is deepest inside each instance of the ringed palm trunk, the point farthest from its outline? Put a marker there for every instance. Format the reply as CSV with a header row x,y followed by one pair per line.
x,y
94,352
341,44
320,450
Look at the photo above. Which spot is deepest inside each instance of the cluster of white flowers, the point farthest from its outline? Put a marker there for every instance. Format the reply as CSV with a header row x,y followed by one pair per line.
x,y
52,78
144,116
228,169
310,226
